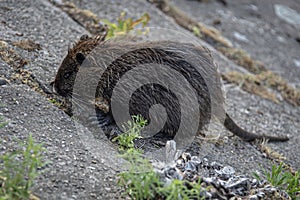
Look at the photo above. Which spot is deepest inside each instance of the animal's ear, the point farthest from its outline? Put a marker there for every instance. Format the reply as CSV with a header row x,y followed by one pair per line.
x,y
80,58
84,37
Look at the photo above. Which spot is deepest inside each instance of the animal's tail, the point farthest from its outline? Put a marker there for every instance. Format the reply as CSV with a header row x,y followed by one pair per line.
x,y
247,136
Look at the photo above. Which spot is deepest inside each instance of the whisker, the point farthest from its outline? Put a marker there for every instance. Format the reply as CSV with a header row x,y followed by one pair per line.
x,y
78,105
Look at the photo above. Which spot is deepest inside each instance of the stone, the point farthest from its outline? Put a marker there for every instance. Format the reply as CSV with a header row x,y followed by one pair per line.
x,y
287,14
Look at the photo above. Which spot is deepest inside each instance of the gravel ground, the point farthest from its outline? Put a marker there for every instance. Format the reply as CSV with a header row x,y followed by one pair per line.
x,y
73,172
82,167
254,26
264,32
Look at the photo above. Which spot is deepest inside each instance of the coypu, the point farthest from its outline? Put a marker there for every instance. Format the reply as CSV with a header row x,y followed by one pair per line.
x,y
149,94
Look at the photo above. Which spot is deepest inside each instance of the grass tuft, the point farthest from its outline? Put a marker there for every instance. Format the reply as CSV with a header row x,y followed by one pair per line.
x,y
140,181
132,131
18,169
283,180
124,26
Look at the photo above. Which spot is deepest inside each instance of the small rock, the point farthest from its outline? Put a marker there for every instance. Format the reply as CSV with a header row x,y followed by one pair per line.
x,y
170,151
253,7
205,162
281,39
57,2
209,179
235,183
91,168
287,14
240,37
3,44
180,164
196,160
186,157
254,183
217,21
261,194
19,34
297,62
226,172
3,81
172,173
253,197
190,167
93,195
215,165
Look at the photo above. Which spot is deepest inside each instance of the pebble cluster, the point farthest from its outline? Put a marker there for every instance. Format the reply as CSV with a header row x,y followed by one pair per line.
x,y
221,182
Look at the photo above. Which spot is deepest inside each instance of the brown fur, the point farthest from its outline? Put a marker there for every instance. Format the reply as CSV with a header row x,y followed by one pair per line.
x,y
141,101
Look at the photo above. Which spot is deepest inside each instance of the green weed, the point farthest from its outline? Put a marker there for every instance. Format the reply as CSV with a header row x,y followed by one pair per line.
x,y
132,131
140,181
18,170
182,190
55,102
196,31
283,180
124,26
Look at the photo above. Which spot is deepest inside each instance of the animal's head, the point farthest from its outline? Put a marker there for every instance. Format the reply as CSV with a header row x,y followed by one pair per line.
x,y
66,75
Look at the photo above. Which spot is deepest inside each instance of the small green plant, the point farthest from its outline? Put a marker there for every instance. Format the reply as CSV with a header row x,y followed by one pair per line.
x,y
124,26
140,181
293,185
55,102
18,170
283,180
179,189
132,131
2,122
196,31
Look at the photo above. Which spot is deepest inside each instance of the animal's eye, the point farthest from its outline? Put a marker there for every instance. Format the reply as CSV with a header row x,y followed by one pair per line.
x,y
84,37
67,75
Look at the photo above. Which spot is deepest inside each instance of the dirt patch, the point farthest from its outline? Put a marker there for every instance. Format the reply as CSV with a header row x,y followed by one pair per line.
x,y
85,18
9,56
24,76
209,34
251,84
243,59
13,59
28,45
265,85
275,156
